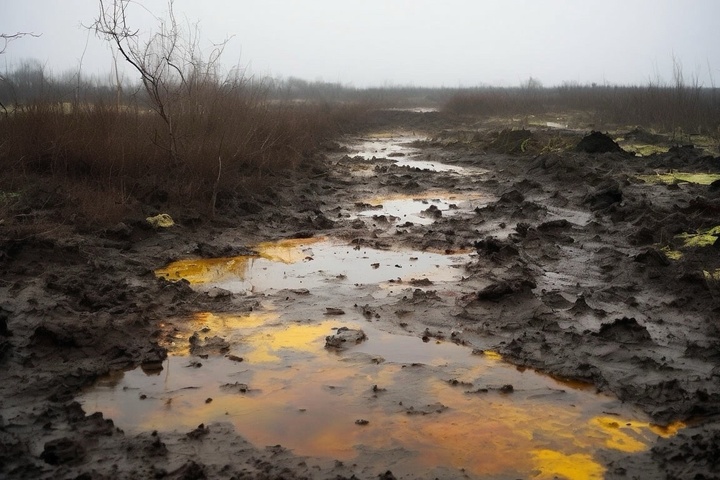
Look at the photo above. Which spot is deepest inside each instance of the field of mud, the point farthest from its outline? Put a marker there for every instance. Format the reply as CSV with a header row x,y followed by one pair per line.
x,y
437,297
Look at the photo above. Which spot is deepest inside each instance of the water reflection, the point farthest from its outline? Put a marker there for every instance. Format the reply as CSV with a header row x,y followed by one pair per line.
x,y
437,402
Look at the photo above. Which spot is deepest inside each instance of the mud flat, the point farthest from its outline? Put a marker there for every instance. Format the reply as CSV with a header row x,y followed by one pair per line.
x,y
525,311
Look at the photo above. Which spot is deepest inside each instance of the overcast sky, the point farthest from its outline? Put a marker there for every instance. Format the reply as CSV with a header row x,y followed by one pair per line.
x,y
447,43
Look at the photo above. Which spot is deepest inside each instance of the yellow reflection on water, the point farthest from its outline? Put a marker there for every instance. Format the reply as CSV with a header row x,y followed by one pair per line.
x,y
308,398
286,251
205,270
267,345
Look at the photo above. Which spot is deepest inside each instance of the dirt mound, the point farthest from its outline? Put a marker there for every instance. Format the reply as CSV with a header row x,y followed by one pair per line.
x,y
598,142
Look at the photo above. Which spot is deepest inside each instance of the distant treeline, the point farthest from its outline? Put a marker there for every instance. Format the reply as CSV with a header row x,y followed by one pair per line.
x,y
666,107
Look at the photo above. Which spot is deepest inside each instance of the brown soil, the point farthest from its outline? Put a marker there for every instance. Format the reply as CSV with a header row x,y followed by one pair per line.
x,y
570,279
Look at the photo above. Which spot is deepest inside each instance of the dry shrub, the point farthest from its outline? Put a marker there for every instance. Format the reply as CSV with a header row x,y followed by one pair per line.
x,y
119,153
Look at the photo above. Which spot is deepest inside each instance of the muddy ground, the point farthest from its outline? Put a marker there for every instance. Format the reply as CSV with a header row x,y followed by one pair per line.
x,y
570,278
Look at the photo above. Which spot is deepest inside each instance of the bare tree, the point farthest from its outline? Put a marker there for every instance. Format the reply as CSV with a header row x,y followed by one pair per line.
x,y
169,60
5,39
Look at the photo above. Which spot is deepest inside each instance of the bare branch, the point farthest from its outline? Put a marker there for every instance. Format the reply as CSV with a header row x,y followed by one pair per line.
x,y
6,38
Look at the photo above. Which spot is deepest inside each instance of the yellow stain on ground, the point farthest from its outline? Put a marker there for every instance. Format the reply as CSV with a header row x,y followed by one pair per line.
x,y
676,177
631,436
577,466
713,275
703,238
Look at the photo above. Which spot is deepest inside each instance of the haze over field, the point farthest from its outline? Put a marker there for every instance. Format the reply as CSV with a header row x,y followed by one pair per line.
x,y
402,42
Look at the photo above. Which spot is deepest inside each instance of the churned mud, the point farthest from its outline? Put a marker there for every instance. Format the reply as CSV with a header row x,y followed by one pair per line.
x,y
435,298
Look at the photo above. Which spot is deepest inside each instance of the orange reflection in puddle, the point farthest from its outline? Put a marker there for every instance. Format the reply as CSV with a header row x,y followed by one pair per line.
x,y
433,404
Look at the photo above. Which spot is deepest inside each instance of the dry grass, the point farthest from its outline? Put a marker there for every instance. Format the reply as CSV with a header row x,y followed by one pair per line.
x,y
100,157
675,109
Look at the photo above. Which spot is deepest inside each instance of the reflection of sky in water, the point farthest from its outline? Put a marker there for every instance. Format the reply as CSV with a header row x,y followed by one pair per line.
x,y
313,263
308,398
411,208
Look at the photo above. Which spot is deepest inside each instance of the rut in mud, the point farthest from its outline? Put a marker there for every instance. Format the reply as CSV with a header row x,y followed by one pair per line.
x,y
462,304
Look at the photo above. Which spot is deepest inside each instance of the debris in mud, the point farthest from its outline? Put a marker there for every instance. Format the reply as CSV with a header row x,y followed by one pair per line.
x,y
496,249
61,451
162,220
607,194
210,345
431,212
345,337
624,330
497,290
199,432
427,409
597,142
653,256
511,141
362,421
236,387
334,311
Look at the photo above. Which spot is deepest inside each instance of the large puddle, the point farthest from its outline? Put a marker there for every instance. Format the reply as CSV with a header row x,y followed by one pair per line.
x,y
433,404
399,148
413,403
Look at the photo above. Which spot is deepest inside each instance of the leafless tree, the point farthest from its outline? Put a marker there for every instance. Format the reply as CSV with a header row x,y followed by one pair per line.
x,y
5,39
169,60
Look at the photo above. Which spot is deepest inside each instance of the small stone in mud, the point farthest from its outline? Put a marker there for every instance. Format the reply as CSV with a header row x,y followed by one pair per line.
x,y
199,432
361,421
344,337
236,387
507,389
208,400
334,311
234,358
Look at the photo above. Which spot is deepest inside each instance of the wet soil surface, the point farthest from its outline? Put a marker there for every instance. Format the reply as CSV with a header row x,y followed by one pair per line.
x,y
572,265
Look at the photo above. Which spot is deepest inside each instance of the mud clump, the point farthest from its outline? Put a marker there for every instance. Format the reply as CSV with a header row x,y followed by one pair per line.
x,y
597,142
498,290
345,337
624,330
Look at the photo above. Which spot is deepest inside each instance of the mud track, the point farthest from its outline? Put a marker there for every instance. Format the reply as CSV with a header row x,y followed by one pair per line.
x,y
576,275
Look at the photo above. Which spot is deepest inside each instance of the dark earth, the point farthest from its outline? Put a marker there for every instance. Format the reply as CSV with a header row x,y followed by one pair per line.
x,y
571,279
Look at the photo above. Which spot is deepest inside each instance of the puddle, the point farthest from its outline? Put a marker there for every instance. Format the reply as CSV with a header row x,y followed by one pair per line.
x,y
400,150
426,404
423,209
315,264
679,177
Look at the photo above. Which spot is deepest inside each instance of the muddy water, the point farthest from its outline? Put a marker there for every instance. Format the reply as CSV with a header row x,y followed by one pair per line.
x,y
328,268
434,403
399,149
415,405
422,209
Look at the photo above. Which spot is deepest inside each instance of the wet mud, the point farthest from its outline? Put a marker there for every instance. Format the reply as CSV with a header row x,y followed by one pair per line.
x,y
530,307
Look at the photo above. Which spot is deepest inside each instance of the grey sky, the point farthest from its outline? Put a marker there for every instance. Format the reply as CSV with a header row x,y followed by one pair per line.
x,y
408,42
